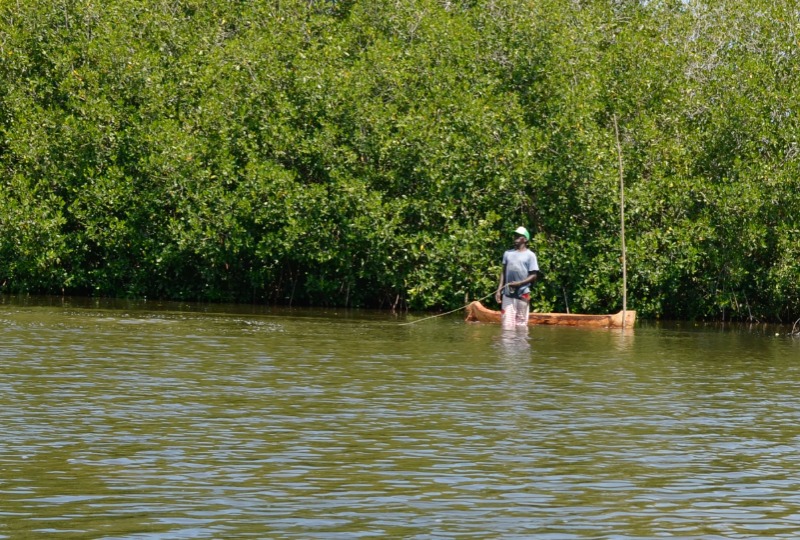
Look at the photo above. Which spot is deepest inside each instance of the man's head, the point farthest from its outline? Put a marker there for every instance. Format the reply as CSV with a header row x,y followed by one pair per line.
x,y
521,236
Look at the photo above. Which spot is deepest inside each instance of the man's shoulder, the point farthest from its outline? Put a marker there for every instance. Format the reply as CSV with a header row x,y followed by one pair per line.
x,y
527,255
521,253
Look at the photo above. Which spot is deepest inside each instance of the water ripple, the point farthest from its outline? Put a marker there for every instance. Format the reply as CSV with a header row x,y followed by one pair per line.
x,y
167,425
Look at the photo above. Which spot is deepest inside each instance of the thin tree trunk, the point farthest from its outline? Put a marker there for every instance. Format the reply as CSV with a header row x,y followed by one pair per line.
x,y
622,224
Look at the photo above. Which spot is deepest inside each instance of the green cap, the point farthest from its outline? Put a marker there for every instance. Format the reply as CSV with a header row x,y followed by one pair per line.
x,y
524,232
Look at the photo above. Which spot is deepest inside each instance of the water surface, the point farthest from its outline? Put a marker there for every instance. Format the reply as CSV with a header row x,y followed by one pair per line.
x,y
167,422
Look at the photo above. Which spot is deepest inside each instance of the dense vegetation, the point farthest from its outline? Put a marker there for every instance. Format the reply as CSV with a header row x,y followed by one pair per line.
x,y
345,152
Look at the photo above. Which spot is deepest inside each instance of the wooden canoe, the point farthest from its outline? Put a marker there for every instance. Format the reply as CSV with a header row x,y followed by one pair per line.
x,y
477,312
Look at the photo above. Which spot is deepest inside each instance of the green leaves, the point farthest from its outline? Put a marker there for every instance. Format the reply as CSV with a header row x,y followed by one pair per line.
x,y
376,153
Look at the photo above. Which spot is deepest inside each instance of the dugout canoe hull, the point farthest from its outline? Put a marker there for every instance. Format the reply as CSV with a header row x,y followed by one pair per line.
x,y
477,312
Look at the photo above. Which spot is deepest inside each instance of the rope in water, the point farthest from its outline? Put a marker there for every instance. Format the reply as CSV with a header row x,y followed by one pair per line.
x,y
447,313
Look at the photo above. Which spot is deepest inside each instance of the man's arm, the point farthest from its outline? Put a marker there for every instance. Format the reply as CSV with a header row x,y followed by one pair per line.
x,y
498,296
530,279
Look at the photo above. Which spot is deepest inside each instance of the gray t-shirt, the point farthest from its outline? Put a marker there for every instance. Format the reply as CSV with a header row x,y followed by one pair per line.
x,y
519,265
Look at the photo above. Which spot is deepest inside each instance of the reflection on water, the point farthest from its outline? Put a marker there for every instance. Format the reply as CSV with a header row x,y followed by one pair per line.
x,y
514,341
193,423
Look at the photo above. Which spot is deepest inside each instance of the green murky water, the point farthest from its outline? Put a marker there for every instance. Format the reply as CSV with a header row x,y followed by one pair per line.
x,y
169,422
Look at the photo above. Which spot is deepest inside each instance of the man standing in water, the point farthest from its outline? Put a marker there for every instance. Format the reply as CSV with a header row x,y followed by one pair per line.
x,y
520,269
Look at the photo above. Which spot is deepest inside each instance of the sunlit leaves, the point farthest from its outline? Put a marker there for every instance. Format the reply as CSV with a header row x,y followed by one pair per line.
x,y
378,153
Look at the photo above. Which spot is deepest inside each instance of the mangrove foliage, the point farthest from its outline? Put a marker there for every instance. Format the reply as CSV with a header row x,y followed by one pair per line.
x,y
378,153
